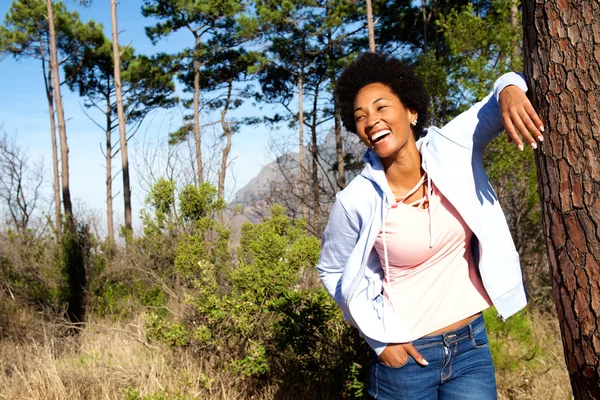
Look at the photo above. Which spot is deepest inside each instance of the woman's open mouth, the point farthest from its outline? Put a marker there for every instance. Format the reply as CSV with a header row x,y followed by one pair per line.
x,y
378,136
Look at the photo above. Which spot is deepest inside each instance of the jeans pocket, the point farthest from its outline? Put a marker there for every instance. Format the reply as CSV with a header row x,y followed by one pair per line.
x,y
394,367
480,339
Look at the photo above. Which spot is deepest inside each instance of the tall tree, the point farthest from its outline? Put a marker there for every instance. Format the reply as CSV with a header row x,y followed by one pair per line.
x,y
291,49
121,118
213,24
76,273
227,68
62,126
26,33
147,84
340,45
563,69
562,64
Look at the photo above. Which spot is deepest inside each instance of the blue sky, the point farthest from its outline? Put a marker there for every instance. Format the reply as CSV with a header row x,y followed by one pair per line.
x,y
24,111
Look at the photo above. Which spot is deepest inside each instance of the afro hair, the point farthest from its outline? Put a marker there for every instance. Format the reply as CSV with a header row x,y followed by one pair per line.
x,y
380,68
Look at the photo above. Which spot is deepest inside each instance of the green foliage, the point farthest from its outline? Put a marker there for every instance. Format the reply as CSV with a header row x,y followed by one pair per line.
x,y
253,314
255,363
115,299
481,45
159,329
162,196
199,202
214,56
146,82
271,254
25,32
339,363
191,252
513,342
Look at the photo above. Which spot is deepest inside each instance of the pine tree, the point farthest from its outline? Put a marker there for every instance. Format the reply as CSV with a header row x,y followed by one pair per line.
x,y
26,33
562,65
216,26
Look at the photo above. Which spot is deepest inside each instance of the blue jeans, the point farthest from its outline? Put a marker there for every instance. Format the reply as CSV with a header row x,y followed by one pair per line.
x,y
460,368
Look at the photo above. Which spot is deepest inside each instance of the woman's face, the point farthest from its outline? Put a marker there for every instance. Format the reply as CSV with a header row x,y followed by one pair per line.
x,y
382,121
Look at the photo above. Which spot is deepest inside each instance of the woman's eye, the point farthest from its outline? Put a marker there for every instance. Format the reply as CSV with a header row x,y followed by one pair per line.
x,y
380,108
359,118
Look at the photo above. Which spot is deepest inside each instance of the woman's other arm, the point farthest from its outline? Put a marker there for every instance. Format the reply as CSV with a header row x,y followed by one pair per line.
x,y
338,241
507,107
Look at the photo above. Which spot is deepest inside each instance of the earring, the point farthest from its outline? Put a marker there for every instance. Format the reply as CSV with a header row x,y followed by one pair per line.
x,y
414,123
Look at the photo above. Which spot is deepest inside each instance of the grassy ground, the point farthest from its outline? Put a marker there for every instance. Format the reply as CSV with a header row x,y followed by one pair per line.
x,y
111,360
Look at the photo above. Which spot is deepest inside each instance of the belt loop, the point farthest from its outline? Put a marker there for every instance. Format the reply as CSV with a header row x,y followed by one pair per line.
x,y
471,328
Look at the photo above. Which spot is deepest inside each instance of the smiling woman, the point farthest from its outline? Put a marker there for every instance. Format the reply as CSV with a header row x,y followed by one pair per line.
x,y
382,122
411,253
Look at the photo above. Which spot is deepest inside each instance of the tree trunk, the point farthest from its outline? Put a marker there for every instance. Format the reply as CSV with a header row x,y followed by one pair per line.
x,y
339,146
337,116
62,127
109,194
55,173
121,117
315,163
516,48
424,14
227,132
301,149
370,27
197,115
562,49
74,265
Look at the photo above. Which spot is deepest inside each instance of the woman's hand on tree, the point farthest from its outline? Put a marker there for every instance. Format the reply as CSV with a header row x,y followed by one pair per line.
x,y
396,355
521,121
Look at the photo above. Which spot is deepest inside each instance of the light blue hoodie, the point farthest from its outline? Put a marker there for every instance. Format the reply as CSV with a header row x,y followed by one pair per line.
x,y
452,157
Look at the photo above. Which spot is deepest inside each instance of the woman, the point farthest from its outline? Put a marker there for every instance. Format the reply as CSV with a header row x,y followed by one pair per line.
x,y
417,245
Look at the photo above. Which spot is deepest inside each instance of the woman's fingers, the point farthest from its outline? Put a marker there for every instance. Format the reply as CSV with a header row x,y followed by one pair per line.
x,y
522,123
536,120
513,136
410,349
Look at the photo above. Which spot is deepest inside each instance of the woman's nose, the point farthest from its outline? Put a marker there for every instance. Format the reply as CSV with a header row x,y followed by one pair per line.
x,y
372,121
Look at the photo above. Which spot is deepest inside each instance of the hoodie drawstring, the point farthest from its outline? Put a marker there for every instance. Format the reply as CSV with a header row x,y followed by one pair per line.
x,y
419,203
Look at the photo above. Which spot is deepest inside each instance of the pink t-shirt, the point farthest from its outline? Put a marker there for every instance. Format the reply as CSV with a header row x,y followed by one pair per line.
x,y
433,281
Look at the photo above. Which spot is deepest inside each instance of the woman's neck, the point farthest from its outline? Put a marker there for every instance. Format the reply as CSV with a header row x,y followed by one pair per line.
x,y
403,170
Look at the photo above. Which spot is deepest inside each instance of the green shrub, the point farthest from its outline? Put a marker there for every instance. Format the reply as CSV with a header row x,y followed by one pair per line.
x,y
511,342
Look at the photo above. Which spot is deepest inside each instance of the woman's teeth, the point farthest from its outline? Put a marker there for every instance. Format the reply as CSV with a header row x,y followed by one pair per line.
x,y
380,135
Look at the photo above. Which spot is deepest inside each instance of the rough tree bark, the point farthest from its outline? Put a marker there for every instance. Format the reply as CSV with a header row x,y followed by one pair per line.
x,y
562,62
62,127
121,117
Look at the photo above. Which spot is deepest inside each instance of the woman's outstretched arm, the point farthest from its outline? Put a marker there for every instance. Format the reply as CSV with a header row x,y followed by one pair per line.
x,y
506,107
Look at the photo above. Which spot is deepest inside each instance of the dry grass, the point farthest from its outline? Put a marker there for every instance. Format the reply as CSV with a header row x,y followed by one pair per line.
x,y
107,360
545,376
105,363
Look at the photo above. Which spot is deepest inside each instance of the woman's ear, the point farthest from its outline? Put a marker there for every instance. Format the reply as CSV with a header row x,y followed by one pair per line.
x,y
414,117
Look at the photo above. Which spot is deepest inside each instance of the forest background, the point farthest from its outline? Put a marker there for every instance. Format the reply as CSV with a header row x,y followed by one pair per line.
x,y
190,304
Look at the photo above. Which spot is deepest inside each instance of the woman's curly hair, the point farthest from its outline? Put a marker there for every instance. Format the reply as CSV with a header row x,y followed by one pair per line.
x,y
380,68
